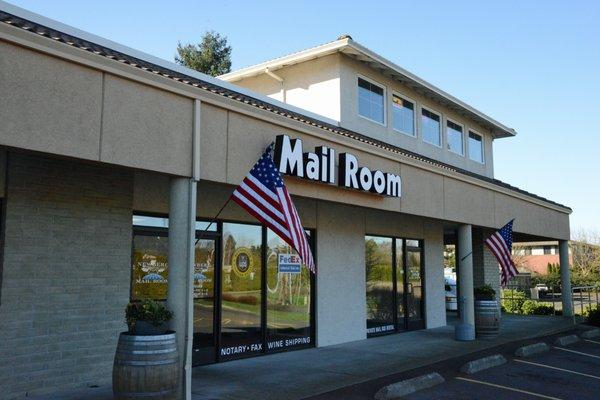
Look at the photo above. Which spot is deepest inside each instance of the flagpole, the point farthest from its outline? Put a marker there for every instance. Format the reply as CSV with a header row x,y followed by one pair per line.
x,y
212,221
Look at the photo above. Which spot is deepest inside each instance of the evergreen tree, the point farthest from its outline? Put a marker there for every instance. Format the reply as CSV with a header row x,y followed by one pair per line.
x,y
211,56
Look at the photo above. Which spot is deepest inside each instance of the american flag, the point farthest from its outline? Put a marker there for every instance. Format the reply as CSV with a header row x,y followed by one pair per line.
x,y
263,194
500,244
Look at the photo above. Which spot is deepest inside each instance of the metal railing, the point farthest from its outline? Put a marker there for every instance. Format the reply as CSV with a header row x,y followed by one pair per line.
x,y
592,298
582,297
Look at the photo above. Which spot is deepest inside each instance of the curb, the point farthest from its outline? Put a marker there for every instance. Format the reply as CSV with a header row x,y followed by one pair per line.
x,y
590,334
408,386
566,340
532,349
483,363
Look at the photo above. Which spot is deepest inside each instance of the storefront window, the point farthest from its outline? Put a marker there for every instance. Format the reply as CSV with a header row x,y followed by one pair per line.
x,y
380,286
204,292
241,290
288,298
247,299
149,270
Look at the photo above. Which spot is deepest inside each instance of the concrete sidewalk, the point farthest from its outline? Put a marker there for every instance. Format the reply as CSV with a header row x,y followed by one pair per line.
x,y
299,374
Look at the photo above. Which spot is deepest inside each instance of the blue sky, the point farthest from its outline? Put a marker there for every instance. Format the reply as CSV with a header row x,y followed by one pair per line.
x,y
533,65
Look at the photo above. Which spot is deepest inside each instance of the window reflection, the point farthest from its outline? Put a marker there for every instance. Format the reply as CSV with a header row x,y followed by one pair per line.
x,y
150,272
379,283
475,147
403,115
204,292
370,101
241,290
288,299
454,136
430,125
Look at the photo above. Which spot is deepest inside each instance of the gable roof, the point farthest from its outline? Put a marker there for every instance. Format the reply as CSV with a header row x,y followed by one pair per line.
x,y
347,46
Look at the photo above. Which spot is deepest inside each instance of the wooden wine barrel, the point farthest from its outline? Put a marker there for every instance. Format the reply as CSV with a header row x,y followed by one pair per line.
x,y
146,367
487,318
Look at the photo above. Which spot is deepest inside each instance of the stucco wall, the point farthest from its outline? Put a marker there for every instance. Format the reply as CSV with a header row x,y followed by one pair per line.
x,y
65,277
313,86
136,124
63,108
341,293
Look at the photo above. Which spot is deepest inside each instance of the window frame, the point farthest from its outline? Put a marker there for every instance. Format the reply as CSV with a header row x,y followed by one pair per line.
x,y
439,114
463,146
385,99
482,162
415,107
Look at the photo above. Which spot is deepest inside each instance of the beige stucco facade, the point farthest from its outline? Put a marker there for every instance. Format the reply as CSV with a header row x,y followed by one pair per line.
x,y
74,116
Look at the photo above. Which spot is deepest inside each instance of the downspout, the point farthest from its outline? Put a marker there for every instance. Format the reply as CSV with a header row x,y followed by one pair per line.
x,y
280,80
189,337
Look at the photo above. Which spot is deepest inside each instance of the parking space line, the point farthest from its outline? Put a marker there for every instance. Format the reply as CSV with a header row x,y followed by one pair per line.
x,y
577,352
592,341
556,368
541,396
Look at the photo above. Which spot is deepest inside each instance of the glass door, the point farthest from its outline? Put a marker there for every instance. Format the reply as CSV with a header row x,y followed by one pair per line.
x,y
400,286
241,291
414,284
204,301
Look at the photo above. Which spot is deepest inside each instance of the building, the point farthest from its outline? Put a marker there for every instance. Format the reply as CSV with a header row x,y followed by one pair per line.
x,y
535,257
113,162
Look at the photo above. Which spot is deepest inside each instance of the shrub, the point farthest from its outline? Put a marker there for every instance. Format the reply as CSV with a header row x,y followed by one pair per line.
x,y
512,300
592,314
531,307
485,292
150,311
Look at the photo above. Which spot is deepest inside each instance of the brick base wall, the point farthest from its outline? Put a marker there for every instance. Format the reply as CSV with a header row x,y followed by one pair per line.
x,y
485,266
65,275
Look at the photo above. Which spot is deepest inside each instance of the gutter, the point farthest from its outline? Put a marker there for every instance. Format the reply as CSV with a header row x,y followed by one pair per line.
x,y
280,80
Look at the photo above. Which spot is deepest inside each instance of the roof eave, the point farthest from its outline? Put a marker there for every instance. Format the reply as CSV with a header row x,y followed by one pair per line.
x,y
349,46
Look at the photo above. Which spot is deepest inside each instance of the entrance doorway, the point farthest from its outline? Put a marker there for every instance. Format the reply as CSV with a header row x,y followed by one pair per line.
x,y
245,303
394,284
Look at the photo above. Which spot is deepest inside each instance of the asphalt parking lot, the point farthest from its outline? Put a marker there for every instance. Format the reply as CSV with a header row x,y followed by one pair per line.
x,y
565,372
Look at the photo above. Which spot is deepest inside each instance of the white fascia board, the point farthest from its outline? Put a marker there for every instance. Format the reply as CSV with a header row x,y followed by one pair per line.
x,y
291,59
69,30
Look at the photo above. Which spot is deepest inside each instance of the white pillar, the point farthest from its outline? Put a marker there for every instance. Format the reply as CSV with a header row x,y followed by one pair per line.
x,y
565,278
466,328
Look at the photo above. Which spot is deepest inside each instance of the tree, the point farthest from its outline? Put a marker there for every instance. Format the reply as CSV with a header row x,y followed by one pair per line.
x,y
585,256
211,56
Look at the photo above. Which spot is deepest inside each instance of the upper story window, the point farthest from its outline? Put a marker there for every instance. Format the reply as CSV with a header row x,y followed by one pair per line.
x,y
371,101
475,147
454,137
430,125
403,118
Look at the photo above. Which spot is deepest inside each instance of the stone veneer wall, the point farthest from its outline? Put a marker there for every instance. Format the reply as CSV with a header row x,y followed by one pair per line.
x,y
485,266
65,276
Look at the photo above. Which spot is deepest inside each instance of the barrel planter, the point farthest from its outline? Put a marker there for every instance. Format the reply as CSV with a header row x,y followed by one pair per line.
x,y
487,318
146,366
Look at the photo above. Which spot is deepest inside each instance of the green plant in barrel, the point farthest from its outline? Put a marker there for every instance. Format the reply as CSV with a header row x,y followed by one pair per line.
x,y
147,313
485,292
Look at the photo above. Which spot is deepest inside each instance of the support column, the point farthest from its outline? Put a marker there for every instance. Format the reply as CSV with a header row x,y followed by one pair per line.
x,y
565,278
465,330
182,217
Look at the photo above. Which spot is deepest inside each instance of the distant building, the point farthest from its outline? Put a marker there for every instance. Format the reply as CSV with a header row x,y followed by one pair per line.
x,y
534,257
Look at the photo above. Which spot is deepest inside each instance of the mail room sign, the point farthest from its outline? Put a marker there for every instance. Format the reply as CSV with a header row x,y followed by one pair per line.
x,y
320,166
